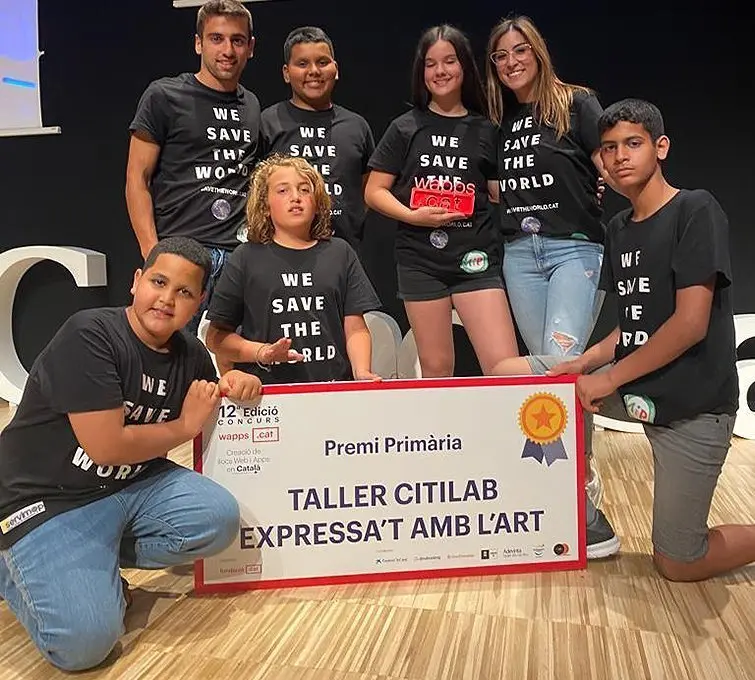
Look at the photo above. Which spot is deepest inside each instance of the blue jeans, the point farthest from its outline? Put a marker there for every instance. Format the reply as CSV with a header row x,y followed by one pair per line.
x,y
552,284
62,581
219,258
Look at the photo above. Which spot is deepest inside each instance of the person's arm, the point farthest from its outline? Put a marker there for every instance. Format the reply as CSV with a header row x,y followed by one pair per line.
x,y
229,346
143,154
368,148
494,191
233,384
359,347
378,196
488,155
359,298
589,110
600,354
239,385
385,165
108,441
603,176
687,326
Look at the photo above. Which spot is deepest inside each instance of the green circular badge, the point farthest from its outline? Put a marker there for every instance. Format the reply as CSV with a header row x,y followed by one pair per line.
x,y
640,407
474,262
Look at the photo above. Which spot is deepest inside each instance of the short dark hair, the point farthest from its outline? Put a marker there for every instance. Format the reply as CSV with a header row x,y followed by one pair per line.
x,y
219,8
636,111
305,34
472,94
184,247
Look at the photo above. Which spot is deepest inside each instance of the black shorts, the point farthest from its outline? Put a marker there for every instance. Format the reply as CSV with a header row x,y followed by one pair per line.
x,y
416,285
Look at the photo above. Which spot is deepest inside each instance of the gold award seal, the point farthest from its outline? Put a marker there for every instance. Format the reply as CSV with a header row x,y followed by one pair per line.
x,y
542,419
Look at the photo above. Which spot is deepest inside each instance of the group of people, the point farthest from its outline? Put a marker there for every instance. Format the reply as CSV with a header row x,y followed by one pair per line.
x,y
254,218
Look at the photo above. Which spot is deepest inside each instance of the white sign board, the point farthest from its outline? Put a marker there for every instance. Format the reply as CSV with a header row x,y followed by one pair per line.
x,y
348,482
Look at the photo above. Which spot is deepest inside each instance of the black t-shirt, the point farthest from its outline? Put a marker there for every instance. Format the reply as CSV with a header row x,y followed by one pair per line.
x,y
421,146
95,362
549,185
338,142
684,244
274,292
209,144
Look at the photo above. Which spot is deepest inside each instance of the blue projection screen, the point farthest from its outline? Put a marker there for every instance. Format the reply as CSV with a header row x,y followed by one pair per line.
x,y
20,107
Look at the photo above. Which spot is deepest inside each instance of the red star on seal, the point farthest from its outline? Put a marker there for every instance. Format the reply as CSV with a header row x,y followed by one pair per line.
x,y
543,418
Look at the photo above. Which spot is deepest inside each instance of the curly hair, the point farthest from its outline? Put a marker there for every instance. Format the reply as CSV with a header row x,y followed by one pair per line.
x,y
260,227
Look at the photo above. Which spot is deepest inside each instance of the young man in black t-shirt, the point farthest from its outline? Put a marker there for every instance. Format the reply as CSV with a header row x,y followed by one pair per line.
x,y
336,141
194,141
85,485
670,363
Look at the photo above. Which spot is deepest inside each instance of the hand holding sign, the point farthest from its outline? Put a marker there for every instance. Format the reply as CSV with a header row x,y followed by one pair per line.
x,y
239,385
198,404
434,217
591,389
436,203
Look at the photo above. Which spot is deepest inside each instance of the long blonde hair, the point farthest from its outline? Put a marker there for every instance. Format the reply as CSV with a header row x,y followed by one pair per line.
x,y
260,227
553,97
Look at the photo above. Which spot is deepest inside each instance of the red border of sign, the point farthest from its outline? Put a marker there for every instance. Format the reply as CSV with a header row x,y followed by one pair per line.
x,y
200,587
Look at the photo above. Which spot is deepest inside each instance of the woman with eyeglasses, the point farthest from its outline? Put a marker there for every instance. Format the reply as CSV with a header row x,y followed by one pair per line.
x,y
549,203
548,175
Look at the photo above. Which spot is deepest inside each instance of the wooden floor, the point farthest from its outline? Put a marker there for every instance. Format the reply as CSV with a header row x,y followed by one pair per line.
x,y
617,620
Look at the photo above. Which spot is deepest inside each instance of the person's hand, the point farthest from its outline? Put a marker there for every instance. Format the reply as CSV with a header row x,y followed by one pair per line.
x,y
591,390
571,367
239,385
434,217
600,190
366,375
278,352
200,401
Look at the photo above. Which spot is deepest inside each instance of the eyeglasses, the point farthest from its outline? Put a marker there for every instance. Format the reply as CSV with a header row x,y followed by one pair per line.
x,y
502,56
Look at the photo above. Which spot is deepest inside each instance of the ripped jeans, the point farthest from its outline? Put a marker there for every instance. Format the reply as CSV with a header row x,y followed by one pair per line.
x,y
552,284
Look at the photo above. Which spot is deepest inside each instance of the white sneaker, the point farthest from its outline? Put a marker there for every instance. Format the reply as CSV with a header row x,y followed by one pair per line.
x,y
602,541
594,488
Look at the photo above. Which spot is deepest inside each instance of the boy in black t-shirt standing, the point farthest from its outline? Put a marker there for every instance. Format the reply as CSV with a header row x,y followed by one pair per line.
x,y
85,485
290,305
672,357
336,141
194,141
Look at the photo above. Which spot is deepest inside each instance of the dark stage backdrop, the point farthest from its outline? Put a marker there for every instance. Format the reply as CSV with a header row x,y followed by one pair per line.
x,y
69,189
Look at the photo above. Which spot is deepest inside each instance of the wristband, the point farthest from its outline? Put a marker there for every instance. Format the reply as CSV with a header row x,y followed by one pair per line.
x,y
257,357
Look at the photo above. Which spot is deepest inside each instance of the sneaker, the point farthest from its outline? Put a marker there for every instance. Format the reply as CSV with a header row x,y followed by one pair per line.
x,y
594,489
602,541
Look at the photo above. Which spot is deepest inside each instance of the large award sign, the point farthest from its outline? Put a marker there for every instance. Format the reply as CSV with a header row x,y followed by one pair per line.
x,y
348,482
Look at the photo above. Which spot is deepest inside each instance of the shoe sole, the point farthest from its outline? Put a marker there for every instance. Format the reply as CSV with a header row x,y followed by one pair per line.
x,y
598,551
